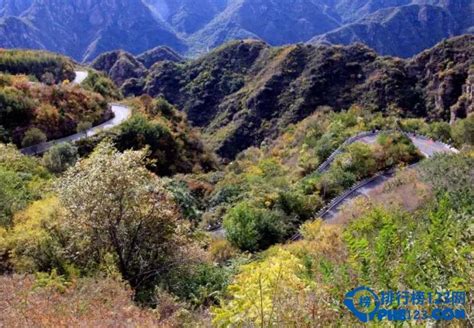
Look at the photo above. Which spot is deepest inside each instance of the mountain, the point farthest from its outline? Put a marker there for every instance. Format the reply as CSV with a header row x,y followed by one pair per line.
x,y
84,29
461,10
275,21
119,66
353,10
158,54
122,66
241,102
16,33
400,31
187,16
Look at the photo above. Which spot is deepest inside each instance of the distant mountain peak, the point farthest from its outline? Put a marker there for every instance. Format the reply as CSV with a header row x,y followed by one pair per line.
x,y
84,29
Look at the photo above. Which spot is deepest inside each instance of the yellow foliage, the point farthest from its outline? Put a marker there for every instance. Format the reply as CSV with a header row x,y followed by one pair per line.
x,y
221,250
260,289
320,240
311,230
30,234
47,115
3,241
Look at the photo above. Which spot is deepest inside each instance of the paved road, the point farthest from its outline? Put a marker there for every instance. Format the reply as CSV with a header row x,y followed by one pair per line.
x,y
425,145
429,147
121,114
362,191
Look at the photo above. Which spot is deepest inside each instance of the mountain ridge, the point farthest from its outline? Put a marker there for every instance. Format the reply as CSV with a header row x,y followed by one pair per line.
x,y
254,97
84,29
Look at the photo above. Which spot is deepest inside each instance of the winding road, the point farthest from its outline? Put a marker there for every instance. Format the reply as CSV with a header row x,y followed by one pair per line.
x,y
426,146
121,114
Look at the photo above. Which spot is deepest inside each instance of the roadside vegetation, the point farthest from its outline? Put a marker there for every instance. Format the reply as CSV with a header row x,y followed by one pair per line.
x,y
115,229
31,113
44,66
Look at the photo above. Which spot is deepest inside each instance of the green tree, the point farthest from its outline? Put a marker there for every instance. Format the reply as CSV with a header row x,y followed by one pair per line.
x,y
33,137
60,157
440,131
22,180
161,107
463,131
139,132
83,126
253,229
115,206
97,82
13,195
15,108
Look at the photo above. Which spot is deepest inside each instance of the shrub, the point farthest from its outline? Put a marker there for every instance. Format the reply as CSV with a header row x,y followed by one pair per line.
x,y
188,204
221,250
13,195
358,160
33,137
202,284
296,204
113,205
22,181
161,107
138,133
440,131
463,131
388,248
253,229
83,126
97,82
87,302
36,63
265,294
451,174
60,157
16,109
32,242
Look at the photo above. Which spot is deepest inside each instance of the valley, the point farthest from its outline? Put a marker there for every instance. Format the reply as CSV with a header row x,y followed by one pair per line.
x,y
179,171
84,30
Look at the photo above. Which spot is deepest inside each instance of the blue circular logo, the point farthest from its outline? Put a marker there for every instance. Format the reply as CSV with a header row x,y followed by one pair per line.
x,y
363,303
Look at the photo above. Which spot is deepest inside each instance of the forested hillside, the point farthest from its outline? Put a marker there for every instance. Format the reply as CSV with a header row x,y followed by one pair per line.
x,y
247,91
38,101
84,29
204,203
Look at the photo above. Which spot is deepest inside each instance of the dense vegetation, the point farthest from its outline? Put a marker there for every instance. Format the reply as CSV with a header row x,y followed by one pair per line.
x,y
384,248
55,110
245,92
140,225
57,234
22,181
97,82
39,103
44,66
172,145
